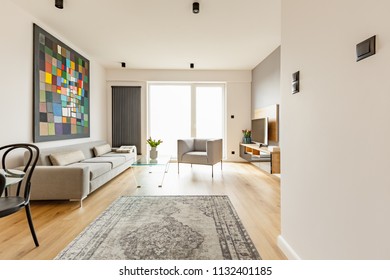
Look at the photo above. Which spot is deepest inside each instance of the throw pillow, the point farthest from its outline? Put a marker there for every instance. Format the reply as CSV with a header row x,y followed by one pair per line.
x,y
125,149
66,158
102,149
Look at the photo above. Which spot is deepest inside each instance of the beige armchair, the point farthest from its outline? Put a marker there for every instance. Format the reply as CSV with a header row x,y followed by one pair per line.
x,y
199,151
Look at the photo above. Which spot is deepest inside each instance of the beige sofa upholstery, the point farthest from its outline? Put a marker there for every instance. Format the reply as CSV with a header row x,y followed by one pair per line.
x,y
77,171
199,151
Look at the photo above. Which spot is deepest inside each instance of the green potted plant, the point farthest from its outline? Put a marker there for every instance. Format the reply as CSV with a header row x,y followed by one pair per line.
x,y
247,136
153,143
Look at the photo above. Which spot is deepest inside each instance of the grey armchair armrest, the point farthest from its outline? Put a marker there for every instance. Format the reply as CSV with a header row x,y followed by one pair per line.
x,y
214,151
184,146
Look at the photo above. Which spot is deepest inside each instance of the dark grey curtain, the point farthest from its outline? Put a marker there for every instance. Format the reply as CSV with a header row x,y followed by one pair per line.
x,y
126,116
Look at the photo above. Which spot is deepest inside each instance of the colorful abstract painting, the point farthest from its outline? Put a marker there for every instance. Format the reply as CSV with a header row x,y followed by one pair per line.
x,y
61,90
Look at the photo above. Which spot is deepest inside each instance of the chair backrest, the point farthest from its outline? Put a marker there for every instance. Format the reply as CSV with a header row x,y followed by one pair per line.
x,y
9,152
2,183
200,144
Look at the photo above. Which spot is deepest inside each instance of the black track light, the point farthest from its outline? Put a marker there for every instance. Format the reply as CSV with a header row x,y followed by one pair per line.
x,y
195,7
192,65
59,4
123,64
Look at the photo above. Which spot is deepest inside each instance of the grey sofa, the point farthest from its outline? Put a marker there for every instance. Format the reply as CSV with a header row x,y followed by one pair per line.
x,y
73,172
199,151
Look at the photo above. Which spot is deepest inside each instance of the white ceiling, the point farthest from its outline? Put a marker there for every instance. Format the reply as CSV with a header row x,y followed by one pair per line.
x,y
157,34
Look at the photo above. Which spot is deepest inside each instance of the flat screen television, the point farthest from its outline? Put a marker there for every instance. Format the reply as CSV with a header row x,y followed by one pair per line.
x,y
260,131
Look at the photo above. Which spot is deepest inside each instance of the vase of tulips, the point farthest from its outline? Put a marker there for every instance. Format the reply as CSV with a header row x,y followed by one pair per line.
x,y
153,153
246,139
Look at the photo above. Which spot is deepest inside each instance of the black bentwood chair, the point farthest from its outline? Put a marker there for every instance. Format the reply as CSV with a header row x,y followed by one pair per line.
x,y
10,204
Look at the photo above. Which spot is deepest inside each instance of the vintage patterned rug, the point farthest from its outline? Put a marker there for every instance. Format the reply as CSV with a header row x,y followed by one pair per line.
x,y
164,228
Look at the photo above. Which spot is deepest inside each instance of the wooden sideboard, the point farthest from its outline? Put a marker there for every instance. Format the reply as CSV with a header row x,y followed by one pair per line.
x,y
254,153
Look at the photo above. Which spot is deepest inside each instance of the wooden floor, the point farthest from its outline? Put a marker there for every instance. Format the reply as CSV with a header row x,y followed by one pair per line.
x,y
254,194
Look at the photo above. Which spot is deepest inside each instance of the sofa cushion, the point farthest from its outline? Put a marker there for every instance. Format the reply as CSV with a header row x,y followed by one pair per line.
x,y
95,168
66,158
114,161
200,144
102,149
126,156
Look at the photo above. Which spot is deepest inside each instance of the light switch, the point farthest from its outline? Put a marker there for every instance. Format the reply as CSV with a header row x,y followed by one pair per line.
x,y
366,48
295,83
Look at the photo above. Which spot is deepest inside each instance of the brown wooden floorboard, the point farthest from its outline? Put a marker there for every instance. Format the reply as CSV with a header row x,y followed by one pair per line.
x,y
254,194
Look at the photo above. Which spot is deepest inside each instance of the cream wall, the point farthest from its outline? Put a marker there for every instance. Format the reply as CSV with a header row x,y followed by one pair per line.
x,y
16,72
17,95
335,133
238,88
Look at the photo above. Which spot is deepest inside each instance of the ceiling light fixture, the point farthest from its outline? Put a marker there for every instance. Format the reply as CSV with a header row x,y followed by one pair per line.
x,y
192,65
123,64
59,4
195,7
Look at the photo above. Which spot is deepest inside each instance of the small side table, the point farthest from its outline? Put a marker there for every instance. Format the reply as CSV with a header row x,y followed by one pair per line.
x,y
155,167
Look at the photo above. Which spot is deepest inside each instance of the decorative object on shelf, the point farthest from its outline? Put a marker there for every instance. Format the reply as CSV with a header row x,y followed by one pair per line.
x,y
153,147
247,136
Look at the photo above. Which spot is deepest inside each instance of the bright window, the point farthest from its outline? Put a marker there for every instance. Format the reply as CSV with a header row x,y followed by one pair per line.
x,y
209,111
169,115
179,111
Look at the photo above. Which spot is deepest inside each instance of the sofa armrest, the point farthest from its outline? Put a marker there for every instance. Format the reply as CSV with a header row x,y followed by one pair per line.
x,y
184,146
214,151
60,182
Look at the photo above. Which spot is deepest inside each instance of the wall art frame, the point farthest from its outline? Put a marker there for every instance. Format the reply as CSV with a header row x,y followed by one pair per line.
x,y
61,90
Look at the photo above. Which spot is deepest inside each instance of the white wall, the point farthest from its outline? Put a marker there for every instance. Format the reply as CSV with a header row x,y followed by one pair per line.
x,y
16,72
335,133
238,87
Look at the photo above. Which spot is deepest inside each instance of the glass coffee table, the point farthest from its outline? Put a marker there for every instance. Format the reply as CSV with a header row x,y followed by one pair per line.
x,y
152,172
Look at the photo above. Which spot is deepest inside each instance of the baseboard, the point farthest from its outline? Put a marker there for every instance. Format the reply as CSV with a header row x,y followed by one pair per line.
x,y
287,249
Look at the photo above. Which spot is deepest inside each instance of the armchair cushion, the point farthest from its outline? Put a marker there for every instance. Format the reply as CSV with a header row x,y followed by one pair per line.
x,y
195,157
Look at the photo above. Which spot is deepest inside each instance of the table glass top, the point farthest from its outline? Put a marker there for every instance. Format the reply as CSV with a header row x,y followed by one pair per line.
x,y
146,160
